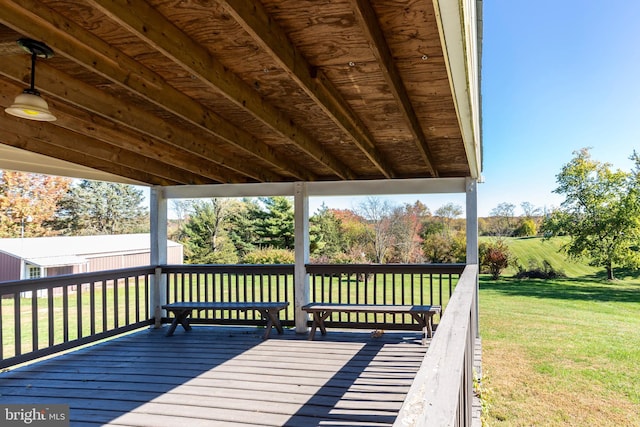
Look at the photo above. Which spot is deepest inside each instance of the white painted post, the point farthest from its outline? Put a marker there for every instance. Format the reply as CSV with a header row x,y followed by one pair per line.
x,y
301,242
158,207
472,239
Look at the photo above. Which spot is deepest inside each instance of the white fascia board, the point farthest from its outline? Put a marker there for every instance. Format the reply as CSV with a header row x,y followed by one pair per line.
x,y
458,26
15,159
387,187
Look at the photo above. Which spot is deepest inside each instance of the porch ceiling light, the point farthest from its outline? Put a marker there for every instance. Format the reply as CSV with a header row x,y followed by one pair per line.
x,y
29,104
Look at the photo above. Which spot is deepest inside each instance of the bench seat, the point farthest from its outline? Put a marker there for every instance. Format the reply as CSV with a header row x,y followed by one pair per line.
x,y
423,314
269,311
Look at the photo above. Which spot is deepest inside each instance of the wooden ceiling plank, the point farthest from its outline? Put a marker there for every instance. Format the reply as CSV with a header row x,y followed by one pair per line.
x,y
373,33
256,21
32,18
26,143
104,104
108,132
68,141
150,25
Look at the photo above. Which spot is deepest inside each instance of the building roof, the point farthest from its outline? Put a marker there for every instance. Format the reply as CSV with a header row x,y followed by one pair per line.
x,y
72,250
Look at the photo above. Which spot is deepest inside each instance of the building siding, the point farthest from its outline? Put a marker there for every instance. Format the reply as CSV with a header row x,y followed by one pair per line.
x,y
9,267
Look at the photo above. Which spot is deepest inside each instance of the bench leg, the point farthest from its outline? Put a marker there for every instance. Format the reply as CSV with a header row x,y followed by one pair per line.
x,y
423,321
318,322
181,318
273,319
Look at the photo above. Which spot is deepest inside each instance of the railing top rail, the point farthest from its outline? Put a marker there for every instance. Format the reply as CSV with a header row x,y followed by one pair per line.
x,y
385,268
229,268
71,279
433,396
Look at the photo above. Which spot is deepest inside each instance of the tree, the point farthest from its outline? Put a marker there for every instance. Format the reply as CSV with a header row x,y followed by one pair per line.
x,y
529,210
449,213
97,207
601,212
406,226
205,235
274,224
326,234
504,213
377,213
28,202
495,257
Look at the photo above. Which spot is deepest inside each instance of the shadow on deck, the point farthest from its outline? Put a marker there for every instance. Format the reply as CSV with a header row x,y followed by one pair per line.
x,y
226,376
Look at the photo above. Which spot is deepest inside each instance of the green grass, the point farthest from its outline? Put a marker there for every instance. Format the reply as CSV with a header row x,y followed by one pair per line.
x,y
535,250
561,352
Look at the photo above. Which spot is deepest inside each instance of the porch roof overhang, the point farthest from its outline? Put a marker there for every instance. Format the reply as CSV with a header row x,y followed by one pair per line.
x,y
168,93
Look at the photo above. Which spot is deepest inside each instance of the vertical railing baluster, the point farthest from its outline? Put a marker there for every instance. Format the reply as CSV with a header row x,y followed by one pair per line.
x,y
79,310
65,313
34,320
50,314
92,306
103,286
17,324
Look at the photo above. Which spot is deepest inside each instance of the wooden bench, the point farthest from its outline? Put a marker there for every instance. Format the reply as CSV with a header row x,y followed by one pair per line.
x,y
423,314
269,310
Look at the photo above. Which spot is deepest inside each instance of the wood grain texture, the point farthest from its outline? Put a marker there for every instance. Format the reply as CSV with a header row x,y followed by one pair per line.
x,y
273,91
226,376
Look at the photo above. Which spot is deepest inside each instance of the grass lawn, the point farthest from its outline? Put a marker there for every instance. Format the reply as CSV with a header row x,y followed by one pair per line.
x,y
561,352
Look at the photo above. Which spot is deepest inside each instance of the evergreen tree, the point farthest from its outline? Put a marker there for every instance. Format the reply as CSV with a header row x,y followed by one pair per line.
x,y
96,207
274,223
206,240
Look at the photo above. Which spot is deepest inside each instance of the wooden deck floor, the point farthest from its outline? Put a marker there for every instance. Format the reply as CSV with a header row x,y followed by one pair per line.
x,y
218,376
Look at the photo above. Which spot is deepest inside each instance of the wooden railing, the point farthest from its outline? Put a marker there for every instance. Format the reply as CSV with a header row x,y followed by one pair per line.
x,y
405,284
40,317
43,316
442,392
264,283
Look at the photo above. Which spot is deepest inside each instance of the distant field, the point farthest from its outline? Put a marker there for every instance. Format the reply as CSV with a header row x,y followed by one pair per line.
x,y
535,250
561,352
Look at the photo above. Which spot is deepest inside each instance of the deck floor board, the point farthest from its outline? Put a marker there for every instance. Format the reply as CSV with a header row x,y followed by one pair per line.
x,y
226,376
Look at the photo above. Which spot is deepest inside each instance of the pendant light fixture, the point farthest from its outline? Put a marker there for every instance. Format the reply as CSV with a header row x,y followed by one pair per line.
x,y
29,104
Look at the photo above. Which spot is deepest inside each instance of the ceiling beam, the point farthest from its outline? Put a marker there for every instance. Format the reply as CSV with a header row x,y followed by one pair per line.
x,y
34,19
380,49
95,127
14,134
154,28
55,83
68,141
265,31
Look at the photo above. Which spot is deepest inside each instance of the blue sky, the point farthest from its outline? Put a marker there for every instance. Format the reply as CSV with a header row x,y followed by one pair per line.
x,y
557,76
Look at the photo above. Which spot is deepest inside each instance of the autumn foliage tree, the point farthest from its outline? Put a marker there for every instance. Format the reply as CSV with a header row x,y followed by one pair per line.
x,y
28,201
495,257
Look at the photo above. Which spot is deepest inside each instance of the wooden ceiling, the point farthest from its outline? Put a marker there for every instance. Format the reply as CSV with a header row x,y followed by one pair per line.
x,y
170,92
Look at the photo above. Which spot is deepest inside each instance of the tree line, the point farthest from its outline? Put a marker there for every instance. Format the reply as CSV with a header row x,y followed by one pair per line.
x,y
33,205
600,218
261,230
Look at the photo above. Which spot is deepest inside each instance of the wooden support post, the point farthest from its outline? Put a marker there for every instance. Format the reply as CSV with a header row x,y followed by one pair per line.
x,y
472,239
158,297
301,207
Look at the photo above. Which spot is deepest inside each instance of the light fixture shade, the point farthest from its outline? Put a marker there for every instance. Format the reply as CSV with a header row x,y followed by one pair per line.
x,y
31,106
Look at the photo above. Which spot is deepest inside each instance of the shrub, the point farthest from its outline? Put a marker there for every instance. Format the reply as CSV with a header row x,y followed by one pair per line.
x,y
269,256
535,271
495,257
527,228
